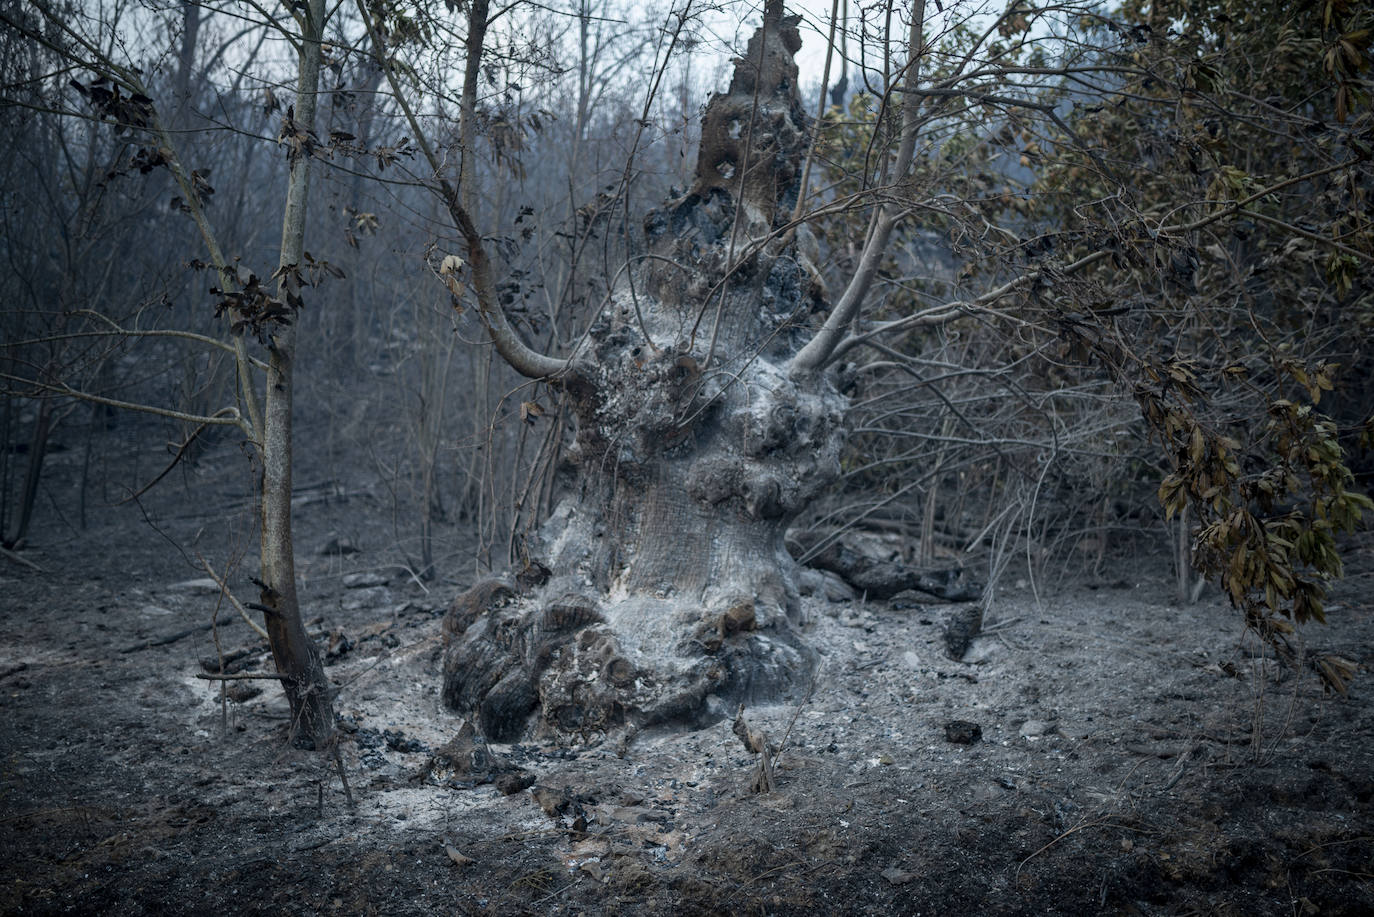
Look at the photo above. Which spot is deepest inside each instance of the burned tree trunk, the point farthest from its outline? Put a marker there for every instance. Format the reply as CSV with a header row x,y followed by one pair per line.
x,y
670,596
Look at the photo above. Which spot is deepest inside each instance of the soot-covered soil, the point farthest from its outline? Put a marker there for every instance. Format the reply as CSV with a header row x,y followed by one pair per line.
x,y
1136,756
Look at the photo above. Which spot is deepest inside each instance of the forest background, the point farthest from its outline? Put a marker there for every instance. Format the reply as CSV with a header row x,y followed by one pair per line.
x,y
1079,278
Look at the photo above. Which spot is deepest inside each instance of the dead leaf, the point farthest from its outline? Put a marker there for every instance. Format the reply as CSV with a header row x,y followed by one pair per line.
x,y
457,288
897,876
592,848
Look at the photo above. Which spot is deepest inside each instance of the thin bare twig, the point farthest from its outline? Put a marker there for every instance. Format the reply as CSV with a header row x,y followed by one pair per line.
x,y
224,590
22,561
244,676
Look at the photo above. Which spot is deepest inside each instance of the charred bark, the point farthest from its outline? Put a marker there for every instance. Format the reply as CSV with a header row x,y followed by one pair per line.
x,y
671,595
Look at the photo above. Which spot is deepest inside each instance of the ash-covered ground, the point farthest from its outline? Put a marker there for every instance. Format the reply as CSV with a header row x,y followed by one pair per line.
x,y
1135,755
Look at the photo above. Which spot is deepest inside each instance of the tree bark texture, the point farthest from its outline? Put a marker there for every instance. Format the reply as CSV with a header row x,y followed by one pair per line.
x,y
670,595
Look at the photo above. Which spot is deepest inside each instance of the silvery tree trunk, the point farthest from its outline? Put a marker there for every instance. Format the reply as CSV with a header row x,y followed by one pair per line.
x,y
669,595
296,657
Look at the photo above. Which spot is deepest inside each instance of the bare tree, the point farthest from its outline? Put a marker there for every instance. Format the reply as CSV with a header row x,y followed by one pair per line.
x,y
296,656
117,94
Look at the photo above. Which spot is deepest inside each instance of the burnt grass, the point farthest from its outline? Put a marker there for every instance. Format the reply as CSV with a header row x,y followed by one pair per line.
x,y
1136,756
